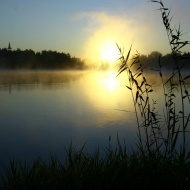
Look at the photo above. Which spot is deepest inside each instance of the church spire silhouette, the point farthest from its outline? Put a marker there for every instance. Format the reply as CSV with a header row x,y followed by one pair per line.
x,y
9,46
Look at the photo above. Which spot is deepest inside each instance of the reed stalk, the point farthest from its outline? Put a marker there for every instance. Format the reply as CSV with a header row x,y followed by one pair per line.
x,y
158,132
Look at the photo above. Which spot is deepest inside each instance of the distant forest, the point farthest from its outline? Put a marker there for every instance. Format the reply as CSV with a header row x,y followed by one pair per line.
x,y
151,60
28,59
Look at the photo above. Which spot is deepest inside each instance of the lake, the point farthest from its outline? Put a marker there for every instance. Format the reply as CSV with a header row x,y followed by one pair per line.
x,y
42,112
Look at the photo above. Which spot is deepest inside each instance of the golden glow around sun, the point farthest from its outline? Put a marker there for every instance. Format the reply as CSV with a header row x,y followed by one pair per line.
x,y
109,52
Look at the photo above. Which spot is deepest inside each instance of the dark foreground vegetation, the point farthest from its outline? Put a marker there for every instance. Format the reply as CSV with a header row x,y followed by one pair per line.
x,y
161,159
116,170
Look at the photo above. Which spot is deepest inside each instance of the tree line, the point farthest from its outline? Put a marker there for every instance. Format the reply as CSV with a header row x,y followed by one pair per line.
x,y
150,61
28,59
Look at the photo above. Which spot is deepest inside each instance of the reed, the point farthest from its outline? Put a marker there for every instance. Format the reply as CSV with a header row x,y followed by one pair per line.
x,y
159,133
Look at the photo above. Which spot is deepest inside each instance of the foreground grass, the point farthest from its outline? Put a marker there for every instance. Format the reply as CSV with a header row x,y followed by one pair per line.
x,y
115,170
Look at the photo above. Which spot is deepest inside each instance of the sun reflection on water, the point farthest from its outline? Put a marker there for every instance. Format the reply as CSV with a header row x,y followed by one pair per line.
x,y
110,81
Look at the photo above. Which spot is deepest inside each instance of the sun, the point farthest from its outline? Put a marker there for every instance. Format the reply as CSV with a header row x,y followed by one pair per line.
x,y
109,52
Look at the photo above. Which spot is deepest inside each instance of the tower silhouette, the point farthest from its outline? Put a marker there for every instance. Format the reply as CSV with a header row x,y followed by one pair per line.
x,y
9,46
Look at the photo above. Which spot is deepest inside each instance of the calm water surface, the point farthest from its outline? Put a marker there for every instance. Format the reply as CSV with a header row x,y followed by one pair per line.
x,y
42,112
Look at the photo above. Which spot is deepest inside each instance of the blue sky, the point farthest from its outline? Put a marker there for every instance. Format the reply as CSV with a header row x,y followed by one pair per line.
x,y
83,27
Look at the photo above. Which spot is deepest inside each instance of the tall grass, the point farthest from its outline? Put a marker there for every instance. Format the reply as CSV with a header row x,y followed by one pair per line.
x,y
157,132
116,170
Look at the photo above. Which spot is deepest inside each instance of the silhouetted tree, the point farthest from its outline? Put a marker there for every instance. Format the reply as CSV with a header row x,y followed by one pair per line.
x,y
28,59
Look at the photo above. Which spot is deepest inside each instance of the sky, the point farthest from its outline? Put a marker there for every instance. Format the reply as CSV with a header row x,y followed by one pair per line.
x,y
85,28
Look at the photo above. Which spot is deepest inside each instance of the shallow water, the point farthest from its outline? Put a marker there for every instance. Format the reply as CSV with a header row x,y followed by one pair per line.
x,y
42,112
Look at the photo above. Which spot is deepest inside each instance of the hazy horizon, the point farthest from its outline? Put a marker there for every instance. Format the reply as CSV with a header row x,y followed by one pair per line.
x,y
89,30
